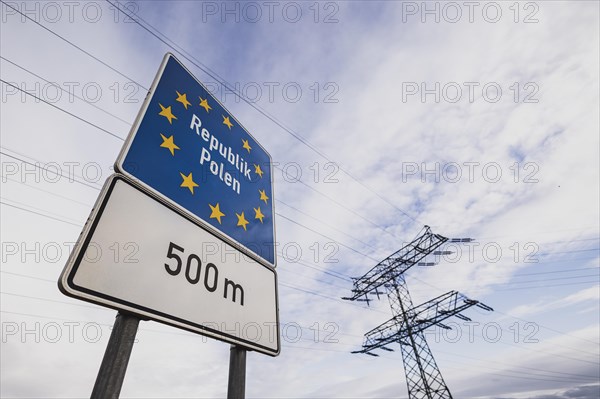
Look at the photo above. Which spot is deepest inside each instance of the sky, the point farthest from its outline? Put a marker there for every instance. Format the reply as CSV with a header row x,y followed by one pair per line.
x,y
479,119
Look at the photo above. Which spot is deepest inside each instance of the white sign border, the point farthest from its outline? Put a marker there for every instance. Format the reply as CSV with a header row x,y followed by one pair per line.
x,y
69,288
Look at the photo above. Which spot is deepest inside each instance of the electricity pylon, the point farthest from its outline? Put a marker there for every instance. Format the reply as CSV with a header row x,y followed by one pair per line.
x,y
409,322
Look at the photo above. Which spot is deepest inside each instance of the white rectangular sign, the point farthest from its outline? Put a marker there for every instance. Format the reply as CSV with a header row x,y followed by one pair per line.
x,y
140,255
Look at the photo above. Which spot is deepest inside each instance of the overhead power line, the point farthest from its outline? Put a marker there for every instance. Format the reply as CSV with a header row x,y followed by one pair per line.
x,y
40,214
325,223
63,110
51,170
66,91
74,45
4,178
342,206
324,236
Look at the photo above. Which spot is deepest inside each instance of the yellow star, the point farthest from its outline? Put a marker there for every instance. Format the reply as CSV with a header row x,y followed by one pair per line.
x,y
216,212
166,112
169,143
182,98
259,214
204,104
242,220
227,122
258,170
188,182
246,145
263,196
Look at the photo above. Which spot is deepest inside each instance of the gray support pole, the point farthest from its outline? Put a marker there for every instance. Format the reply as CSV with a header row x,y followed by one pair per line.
x,y
116,357
236,388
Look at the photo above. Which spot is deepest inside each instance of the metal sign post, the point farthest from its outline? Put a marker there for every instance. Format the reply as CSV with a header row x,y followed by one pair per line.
x,y
236,387
114,364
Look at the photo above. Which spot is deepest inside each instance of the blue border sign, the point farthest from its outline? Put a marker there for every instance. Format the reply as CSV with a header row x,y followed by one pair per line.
x,y
189,149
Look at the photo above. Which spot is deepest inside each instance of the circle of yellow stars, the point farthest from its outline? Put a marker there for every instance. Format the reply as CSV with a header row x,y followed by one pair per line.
x,y
188,180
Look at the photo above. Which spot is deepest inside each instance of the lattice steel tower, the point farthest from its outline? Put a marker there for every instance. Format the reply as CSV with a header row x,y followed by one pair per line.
x,y
408,322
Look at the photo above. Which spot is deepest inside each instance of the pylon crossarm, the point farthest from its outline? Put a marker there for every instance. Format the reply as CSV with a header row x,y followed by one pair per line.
x,y
437,310
443,304
397,263
383,334
420,318
373,343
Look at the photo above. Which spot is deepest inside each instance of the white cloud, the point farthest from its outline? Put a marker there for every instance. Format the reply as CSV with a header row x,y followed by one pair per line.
x,y
585,295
